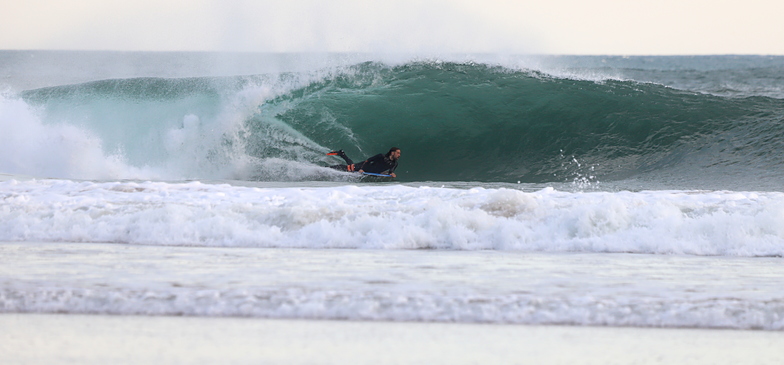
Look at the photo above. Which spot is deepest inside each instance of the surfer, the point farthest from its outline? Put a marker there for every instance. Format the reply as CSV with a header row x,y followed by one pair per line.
x,y
380,163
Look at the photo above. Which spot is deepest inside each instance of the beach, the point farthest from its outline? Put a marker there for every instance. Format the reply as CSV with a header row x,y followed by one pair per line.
x,y
100,339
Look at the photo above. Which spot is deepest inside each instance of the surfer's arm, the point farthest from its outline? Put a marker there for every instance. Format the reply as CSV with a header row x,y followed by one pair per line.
x,y
361,164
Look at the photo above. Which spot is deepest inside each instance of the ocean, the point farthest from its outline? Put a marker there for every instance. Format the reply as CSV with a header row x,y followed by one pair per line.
x,y
610,191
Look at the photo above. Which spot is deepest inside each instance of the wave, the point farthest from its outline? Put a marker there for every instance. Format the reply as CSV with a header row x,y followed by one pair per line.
x,y
531,309
394,217
454,122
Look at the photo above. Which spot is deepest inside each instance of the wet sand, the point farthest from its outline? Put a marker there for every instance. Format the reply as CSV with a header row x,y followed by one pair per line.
x,y
99,339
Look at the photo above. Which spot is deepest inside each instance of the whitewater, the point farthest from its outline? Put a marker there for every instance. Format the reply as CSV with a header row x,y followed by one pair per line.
x,y
582,191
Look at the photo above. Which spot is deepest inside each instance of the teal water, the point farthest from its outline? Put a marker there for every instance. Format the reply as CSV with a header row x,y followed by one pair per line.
x,y
688,122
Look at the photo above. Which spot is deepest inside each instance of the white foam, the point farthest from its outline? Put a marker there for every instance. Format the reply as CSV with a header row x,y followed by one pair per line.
x,y
394,217
122,142
347,305
27,146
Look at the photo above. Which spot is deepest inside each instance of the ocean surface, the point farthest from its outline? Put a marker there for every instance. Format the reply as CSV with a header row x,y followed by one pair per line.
x,y
570,190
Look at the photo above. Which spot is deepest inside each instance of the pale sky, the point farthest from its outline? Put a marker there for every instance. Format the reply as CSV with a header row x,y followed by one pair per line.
x,y
619,27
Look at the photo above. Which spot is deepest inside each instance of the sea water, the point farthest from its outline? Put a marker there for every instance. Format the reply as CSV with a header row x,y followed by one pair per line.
x,y
395,285
640,191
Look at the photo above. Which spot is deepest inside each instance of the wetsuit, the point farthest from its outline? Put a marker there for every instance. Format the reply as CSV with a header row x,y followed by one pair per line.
x,y
376,164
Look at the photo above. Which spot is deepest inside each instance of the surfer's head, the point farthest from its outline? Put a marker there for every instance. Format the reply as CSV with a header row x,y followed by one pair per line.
x,y
394,153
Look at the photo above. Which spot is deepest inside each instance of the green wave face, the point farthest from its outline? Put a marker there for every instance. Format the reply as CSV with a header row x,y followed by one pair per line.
x,y
473,122
453,122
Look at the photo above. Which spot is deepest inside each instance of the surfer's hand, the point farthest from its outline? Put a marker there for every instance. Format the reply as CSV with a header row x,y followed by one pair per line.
x,y
361,171
392,174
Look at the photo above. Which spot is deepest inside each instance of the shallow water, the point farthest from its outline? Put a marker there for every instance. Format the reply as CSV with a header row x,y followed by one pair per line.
x,y
394,285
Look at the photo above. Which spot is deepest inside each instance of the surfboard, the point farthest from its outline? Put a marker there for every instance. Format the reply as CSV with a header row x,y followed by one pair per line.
x,y
375,174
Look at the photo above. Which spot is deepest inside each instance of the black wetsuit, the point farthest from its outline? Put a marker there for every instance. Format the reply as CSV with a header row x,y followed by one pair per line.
x,y
376,164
